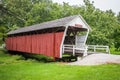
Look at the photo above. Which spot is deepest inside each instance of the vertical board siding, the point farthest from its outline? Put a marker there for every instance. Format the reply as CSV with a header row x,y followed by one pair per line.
x,y
17,43
10,46
20,43
37,44
14,43
47,44
58,40
28,43
23,43
34,43
50,44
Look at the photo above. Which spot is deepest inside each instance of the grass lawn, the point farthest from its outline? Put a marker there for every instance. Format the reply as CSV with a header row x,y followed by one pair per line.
x,y
14,68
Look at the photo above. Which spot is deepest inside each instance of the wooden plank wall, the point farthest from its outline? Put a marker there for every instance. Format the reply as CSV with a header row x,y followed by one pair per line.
x,y
47,44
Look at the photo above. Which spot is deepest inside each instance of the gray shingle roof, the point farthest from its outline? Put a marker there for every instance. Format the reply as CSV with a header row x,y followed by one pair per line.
x,y
50,24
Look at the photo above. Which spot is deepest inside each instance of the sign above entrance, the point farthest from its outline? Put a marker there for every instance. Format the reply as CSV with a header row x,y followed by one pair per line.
x,y
78,25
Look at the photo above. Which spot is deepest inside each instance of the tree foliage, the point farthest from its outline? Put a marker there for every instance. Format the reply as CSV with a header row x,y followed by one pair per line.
x,y
20,13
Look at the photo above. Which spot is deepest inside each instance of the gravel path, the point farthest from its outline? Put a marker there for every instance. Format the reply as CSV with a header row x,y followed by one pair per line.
x,y
97,59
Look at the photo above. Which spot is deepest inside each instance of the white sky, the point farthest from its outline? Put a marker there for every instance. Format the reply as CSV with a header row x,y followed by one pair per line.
x,y
101,4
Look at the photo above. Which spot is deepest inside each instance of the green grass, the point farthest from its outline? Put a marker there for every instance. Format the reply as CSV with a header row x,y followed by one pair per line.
x,y
14,68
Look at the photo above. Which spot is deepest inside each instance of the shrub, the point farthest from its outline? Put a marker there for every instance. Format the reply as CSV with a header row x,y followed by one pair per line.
x,y
114,51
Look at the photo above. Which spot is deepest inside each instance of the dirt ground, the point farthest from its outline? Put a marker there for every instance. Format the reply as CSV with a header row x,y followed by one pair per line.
x,y
97,59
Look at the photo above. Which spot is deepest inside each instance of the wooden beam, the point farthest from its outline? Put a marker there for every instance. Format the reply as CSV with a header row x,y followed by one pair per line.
x,y
65,32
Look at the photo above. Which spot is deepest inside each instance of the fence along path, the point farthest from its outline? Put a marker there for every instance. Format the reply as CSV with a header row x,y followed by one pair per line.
x,y
98,47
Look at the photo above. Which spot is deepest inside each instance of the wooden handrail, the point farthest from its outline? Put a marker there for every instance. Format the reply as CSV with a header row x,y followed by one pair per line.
x,y
100,47
74,48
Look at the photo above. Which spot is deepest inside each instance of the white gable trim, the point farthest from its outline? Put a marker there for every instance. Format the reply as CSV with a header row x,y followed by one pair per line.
x,y
85,22
78,20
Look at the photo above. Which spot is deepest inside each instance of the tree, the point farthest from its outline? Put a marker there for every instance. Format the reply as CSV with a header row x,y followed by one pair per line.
x,y
116,34
118,17
15,14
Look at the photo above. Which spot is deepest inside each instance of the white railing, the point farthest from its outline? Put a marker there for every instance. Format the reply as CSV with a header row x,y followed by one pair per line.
x,y
84,49
68,48
73,48
99,47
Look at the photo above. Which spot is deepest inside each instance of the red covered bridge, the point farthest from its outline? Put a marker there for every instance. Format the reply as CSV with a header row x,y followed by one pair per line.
x,y
52,38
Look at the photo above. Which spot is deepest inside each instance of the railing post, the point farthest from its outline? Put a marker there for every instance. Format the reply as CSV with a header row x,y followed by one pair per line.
x,y
63,49
94,48
85,52
106,48
73,50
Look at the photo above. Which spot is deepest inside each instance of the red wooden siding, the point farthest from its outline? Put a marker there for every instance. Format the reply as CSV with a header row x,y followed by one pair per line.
x,y
10,44
34,43
47,44
28,47
58,40
20,43
14,47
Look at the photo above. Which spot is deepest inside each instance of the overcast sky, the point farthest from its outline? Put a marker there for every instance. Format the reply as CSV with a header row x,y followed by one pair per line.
x,y
101,4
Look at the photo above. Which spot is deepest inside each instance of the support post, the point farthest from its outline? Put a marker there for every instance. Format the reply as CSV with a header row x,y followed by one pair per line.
x,y
86,36
61,49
